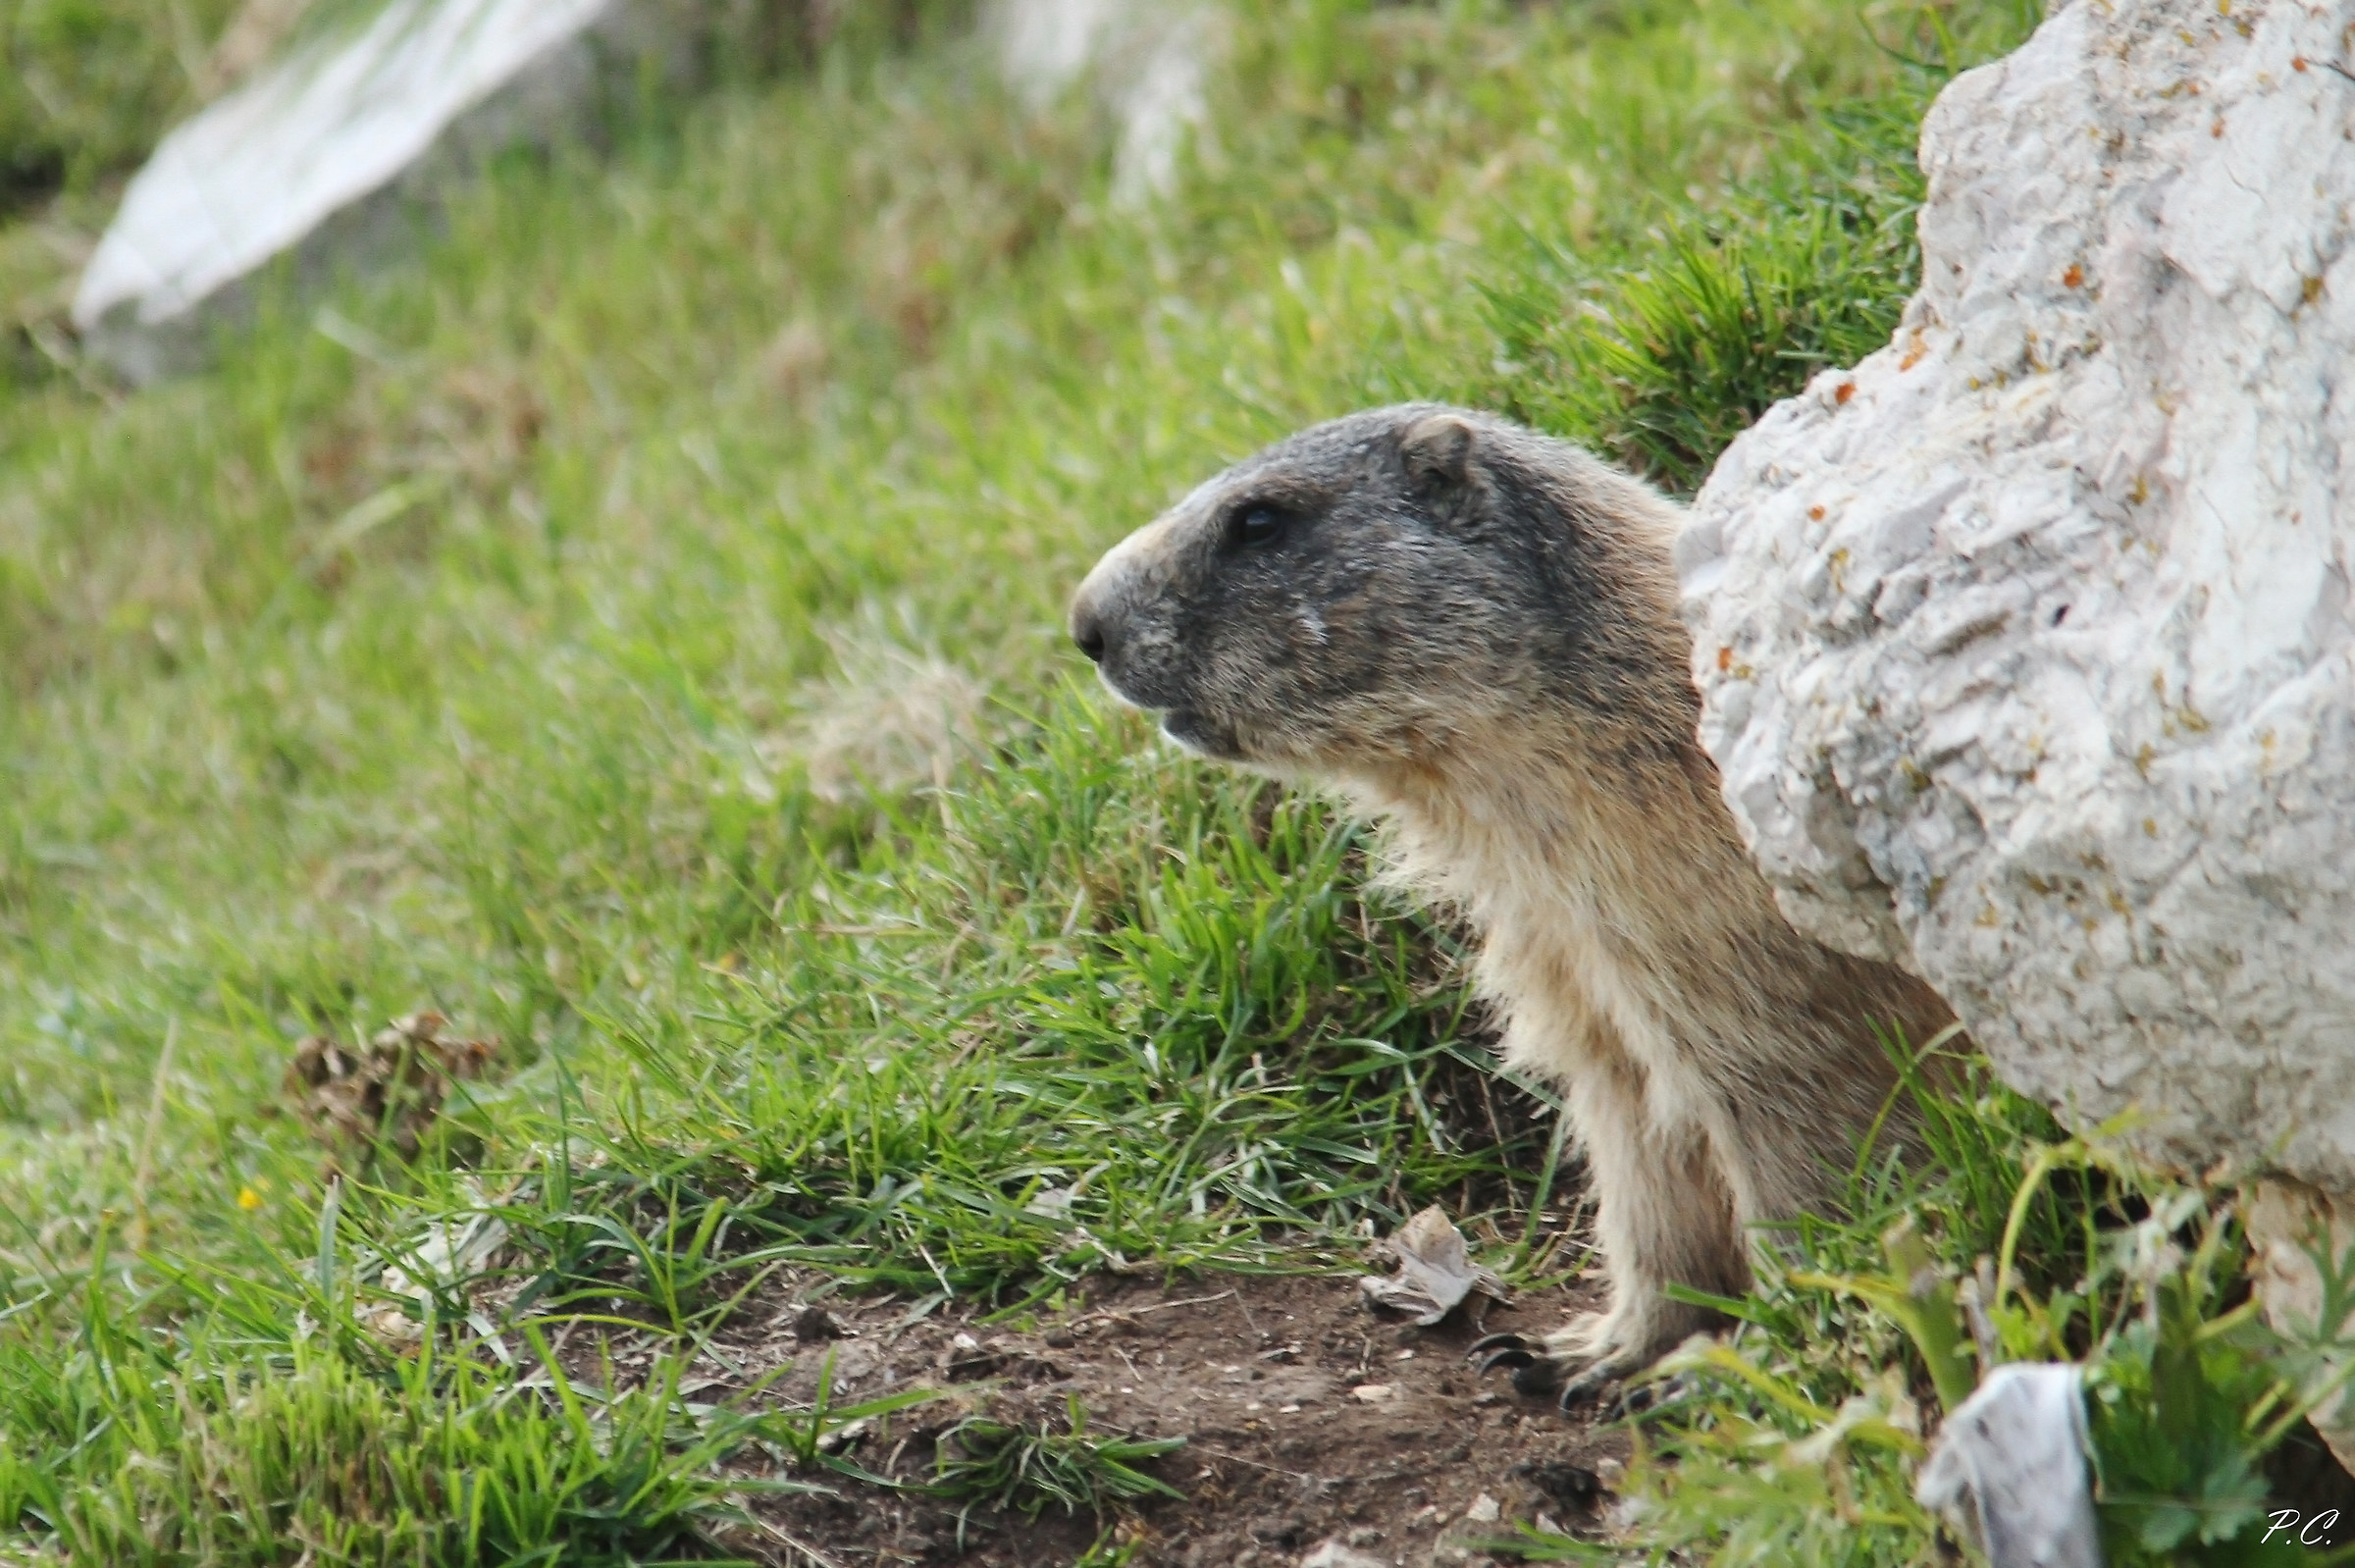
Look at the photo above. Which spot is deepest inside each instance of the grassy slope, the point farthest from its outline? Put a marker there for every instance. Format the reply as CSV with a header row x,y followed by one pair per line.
x,y
479,643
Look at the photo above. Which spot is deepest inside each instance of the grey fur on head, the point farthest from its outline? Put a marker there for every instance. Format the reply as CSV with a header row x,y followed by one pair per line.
x,y
1378,585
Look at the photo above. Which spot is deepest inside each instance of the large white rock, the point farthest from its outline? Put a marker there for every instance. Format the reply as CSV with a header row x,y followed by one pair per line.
x,y
320,154
2026,644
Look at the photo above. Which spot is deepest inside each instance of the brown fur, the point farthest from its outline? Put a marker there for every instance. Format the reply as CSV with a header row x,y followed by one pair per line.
x,y
1471,631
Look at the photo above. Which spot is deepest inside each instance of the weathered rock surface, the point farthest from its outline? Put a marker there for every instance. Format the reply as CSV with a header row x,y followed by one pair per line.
x,y
2026,647
320,154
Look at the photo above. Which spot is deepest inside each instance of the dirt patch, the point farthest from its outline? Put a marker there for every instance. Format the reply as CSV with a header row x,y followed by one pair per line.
x,y
1307,1418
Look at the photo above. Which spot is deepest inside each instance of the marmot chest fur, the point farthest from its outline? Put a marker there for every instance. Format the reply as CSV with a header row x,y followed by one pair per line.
x,y
1470,630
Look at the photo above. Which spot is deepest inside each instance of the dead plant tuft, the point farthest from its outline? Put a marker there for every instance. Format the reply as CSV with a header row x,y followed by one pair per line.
x,y
386,1093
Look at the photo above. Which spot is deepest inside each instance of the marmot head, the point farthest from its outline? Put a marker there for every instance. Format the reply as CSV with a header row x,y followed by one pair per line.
x,y
1382,587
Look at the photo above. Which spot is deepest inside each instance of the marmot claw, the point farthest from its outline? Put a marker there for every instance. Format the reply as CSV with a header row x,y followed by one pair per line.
x,y
1652,1393
1534,1371
1503,1350
1626,1400
1537,1370
1588,1389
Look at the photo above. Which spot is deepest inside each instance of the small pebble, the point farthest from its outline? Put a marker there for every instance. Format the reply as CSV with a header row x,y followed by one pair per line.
x,y
813,1324
1332,1554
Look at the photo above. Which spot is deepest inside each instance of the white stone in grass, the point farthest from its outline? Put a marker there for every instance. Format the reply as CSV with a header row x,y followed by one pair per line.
x,y
1147,63
1334,1555
450,1254
323,154
2027,646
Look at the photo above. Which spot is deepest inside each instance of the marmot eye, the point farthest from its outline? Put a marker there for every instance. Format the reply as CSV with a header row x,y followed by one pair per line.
x,y
1255,526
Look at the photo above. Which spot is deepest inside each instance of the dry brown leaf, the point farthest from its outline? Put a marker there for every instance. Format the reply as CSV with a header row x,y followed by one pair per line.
x,y
1436,1270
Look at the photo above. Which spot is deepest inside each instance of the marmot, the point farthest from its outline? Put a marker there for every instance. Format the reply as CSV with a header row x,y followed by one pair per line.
x,y
1469,629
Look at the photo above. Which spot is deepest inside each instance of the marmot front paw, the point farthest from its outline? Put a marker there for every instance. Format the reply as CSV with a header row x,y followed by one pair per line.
x,y
1576,1363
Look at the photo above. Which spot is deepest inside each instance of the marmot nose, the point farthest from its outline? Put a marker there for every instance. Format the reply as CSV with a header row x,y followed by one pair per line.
x,y
1087,630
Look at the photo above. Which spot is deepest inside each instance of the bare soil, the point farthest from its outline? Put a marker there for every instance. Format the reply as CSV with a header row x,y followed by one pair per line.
x,y
1307,1417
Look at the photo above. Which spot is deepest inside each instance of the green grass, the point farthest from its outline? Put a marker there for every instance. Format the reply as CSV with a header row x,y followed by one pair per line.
x,y
1800,268
424,1464
631,632
1029,1470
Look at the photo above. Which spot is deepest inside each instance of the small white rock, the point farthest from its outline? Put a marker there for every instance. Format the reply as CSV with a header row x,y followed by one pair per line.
x,y
1332,1554
1372,1393
353,126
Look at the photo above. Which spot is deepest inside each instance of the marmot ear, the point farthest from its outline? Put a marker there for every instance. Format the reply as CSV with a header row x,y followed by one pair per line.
x,y
1438,452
